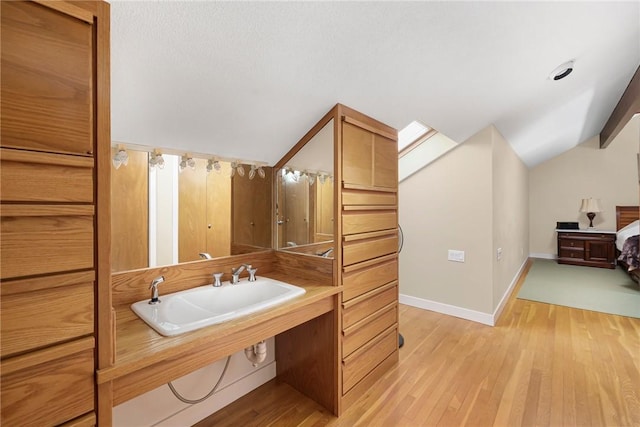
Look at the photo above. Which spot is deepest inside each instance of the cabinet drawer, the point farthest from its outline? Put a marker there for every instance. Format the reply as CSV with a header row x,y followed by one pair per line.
x,y
360,281
365,330
368,304
362,222
45,239
571,243
35,318
42,177
48,391
361,250
360,363
371,198
576,253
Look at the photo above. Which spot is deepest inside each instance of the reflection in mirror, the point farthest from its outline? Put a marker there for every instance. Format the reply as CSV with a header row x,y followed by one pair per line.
x,y
304,205
186,209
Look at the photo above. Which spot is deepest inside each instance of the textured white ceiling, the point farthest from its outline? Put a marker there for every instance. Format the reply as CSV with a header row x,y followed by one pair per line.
x,y
247,80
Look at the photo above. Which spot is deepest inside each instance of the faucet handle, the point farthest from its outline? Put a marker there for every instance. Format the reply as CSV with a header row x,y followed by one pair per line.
x,y
216,278
252,274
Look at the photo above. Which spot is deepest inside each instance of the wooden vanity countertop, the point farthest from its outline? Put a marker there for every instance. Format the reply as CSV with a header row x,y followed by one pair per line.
x,y
146,359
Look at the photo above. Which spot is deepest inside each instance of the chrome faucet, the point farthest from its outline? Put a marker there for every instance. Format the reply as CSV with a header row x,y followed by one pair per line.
x,y
216,280
205,255
154,289
235,273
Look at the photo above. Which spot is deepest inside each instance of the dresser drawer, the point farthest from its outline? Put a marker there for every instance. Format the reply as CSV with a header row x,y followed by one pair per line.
x,y
368,248
367,304
40,239
36,313
571,243
361,362
362,221
358,281
577,253
362,332
48,387
43,177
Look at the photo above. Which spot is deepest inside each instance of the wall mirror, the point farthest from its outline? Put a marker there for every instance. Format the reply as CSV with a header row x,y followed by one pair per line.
x,y
304,197
186,209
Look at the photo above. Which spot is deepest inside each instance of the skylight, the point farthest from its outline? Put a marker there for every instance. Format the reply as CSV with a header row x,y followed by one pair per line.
x,y
414,131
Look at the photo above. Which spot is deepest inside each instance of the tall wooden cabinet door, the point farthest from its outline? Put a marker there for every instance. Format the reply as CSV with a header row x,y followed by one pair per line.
x,y
47,80
219,212
385,162
192,212
130,217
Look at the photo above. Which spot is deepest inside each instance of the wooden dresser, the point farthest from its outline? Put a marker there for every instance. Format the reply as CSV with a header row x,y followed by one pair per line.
x,y
53,118
593,248
368,268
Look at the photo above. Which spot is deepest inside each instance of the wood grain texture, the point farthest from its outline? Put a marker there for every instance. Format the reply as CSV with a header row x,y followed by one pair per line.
x,y
385,162
312,371
130,213
625,215
364,197
316,269
45,244
192,212
131,286
365,305
362,361
145,360
62,118
363,250
45,177
354,222
32,320
49,393
541,364
367,329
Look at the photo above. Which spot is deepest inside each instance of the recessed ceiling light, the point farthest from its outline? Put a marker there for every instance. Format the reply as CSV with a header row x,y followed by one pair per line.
x,y
562,71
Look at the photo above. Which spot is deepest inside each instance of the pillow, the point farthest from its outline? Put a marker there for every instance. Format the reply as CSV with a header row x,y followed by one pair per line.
x,y
624,233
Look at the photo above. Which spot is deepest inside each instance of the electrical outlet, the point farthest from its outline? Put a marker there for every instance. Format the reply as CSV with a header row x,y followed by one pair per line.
x,y
454,255
499,254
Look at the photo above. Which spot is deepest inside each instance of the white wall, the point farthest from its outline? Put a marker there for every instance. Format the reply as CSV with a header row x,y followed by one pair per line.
x,y
160,407
557,186
473,198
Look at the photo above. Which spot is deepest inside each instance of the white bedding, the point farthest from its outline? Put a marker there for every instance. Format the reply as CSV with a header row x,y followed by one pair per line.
x,y
625,232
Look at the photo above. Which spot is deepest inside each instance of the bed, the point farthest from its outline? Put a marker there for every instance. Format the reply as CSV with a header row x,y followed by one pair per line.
x,y
627,244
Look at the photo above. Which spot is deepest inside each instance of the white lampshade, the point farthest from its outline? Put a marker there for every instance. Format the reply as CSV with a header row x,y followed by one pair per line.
x,y
590,205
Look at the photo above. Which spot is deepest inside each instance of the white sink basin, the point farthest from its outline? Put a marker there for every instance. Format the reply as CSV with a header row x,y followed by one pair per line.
x,y
196,308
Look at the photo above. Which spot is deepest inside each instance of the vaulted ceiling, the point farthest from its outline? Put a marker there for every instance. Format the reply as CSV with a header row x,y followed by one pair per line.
x,y
247,80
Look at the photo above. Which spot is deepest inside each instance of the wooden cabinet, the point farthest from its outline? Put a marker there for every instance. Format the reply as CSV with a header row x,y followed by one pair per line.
x,y
587,247
368,266
54,172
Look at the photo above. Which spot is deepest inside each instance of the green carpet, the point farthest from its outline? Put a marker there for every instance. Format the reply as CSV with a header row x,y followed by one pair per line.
x,y
589,288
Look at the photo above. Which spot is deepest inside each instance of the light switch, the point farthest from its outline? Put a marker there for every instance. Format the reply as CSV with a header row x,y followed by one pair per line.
x,y
455,255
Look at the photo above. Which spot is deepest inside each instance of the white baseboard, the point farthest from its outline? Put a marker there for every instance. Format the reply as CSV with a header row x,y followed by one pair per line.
x,y
507,294
451,310
543,256
464,313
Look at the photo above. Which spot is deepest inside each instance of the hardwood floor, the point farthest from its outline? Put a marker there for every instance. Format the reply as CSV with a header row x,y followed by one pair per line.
x,y
542,365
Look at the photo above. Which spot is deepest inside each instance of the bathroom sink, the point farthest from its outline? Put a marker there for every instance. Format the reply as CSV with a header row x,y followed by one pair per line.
x,y
207,305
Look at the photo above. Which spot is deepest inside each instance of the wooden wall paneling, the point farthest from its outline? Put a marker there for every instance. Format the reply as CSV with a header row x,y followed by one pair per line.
x,y
131,286
130,216
306,358
62,119
313,267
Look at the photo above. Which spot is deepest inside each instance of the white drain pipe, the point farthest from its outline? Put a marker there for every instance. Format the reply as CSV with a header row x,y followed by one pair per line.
x,y
256,353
